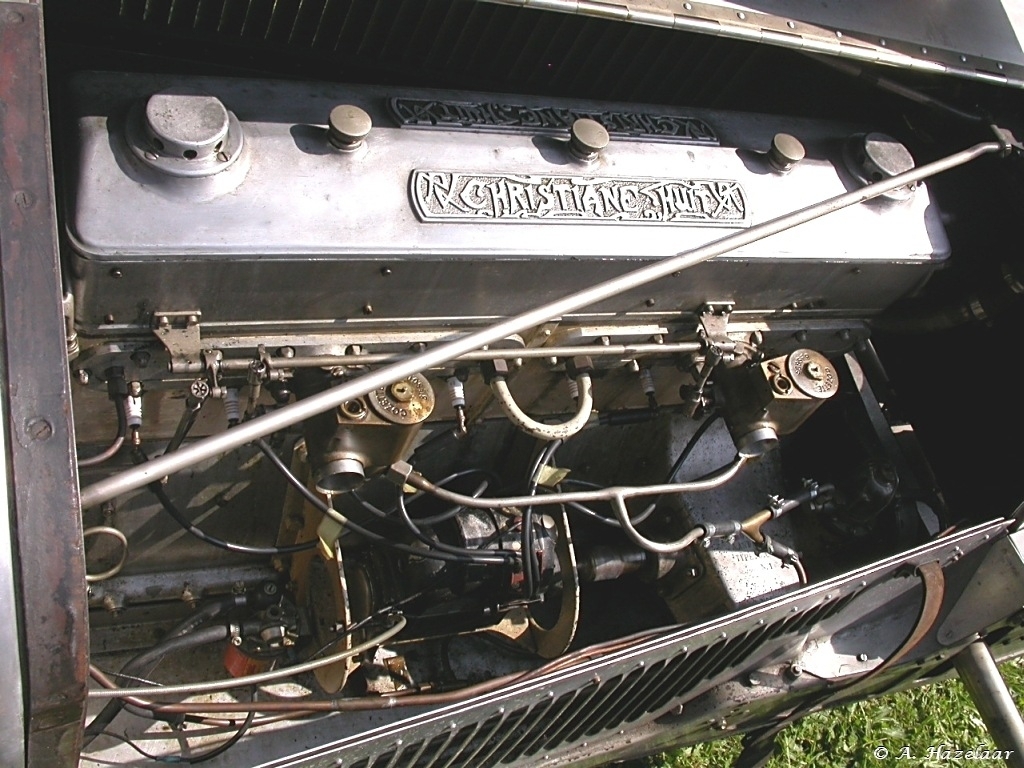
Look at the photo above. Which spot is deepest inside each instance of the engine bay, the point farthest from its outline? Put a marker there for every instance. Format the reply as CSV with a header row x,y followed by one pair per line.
x,y
596,475
428,413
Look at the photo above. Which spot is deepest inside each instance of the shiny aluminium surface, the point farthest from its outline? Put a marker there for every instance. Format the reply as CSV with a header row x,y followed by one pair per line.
x,y
299,411
429,223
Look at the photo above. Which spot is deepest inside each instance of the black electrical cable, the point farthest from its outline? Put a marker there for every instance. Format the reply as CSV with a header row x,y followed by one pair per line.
x,y
145,662
429,520
531,568
157,489
486,557
367,534
440,517
220,749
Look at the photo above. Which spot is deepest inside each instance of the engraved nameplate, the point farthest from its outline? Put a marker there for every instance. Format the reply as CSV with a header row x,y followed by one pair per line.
x,y
430,113
450,196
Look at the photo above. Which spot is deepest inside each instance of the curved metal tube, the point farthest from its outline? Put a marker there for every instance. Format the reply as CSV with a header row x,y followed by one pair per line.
x,y
662,548
168,464
107,530
613,494
187,689
539,430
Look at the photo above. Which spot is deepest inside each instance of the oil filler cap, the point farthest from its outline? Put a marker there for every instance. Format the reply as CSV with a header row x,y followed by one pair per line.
x,y
185,132
872,157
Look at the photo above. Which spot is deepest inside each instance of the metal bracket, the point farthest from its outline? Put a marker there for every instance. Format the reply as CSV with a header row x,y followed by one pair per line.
x,y
714,320
179,333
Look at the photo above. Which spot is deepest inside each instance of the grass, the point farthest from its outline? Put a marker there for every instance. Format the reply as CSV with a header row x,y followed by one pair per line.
x,y
919,718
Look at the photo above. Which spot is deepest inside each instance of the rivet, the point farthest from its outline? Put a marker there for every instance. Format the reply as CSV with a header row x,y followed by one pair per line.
x,y
924,50
963,58
791,24
385,271
741,16
882,42
367,309
116,273
108,319
688,6
838,33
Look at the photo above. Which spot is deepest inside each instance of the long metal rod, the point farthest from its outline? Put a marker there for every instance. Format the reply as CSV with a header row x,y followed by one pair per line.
x,y
213,446
234,365
980,675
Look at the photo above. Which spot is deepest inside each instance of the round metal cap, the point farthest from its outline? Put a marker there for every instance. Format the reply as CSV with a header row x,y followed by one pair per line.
x,y
587,137
812,373
885,157
184,133
187,124
873,157
347,126
785,152
340,476
409,401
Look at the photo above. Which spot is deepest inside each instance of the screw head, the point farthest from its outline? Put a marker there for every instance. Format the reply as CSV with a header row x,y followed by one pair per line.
x,y
39,429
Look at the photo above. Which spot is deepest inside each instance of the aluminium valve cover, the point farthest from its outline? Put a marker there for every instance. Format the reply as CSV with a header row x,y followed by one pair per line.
x,y
228,196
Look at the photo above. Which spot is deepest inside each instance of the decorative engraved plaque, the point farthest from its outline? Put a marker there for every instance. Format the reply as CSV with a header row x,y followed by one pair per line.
x,y
455,115
450,196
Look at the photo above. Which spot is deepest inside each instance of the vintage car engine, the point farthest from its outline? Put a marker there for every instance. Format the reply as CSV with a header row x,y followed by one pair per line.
x,y
505,383
240,245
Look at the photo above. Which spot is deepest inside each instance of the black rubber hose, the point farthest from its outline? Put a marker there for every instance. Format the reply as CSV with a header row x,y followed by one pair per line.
x,y
145,662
